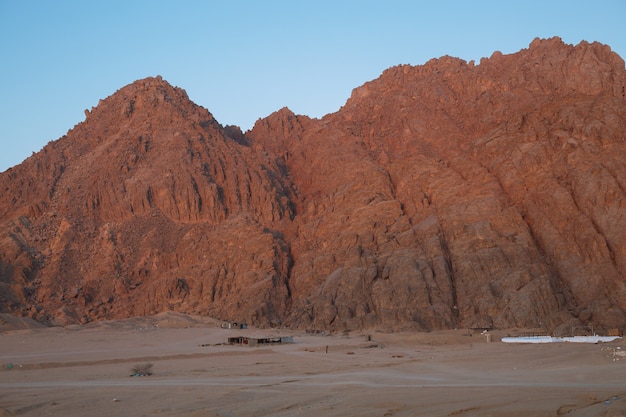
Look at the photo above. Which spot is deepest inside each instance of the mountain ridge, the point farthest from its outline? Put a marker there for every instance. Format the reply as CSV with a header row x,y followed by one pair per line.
x,y
442,195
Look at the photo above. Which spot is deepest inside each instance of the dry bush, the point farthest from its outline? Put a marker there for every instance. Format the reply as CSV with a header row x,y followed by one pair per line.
x,y
141,370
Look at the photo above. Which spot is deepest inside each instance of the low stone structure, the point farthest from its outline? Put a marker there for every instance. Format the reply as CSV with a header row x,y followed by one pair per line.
x,y
259,341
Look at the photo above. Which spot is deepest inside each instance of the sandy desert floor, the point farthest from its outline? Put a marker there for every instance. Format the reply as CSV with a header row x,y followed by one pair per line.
x,y
85,371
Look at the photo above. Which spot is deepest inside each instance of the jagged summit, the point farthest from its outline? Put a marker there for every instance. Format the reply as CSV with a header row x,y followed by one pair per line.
x,y
442,195
145,96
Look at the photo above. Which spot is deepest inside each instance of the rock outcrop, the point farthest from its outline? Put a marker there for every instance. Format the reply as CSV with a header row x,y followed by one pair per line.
x,y
443,195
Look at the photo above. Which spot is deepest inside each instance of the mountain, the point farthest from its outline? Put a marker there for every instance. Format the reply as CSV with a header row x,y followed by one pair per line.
x,y
450,194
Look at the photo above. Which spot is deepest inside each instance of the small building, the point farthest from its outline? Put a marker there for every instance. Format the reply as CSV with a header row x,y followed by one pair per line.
x,y
259,341
233,325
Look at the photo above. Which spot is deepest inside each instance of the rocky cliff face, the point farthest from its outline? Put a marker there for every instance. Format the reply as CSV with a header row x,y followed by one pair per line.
x,y
146,206
444,195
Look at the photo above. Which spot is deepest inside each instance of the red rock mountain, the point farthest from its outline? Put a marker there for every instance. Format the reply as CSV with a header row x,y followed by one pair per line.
x,y
443,195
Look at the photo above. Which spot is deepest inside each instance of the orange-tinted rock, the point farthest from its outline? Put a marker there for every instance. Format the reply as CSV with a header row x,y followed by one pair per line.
x,y
443,195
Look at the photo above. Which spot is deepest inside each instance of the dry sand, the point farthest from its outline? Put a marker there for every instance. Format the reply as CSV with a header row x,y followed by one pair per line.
x,y
84,371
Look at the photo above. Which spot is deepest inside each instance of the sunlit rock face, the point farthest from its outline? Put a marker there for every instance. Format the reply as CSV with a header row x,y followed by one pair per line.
x,y
445,195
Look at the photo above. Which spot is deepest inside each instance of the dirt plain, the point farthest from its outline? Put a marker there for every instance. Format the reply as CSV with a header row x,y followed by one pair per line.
x,y
86,370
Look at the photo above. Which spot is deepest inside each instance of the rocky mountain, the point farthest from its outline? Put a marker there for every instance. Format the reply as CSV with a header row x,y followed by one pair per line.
x,y
450,194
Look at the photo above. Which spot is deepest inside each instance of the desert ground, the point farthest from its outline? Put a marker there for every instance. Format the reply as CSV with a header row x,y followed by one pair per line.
x,y
86,371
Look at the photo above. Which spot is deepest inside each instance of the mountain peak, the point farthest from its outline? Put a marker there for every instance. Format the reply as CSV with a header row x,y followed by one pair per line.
x,y
145,95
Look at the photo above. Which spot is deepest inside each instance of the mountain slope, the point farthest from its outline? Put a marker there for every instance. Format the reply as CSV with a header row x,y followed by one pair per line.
x,y
444,195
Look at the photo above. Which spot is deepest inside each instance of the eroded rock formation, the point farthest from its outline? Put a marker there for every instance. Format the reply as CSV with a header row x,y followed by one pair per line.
x,y
443,195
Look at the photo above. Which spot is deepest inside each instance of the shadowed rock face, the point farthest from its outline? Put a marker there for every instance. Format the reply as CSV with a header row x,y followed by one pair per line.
x,y
443,195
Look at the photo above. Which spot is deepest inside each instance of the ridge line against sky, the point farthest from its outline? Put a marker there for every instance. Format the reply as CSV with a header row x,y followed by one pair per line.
x,y
243,60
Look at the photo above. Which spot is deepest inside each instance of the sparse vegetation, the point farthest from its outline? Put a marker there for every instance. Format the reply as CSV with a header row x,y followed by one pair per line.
x,y
141,370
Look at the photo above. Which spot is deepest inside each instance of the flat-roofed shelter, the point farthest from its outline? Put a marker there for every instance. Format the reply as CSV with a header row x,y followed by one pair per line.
x,y
259,341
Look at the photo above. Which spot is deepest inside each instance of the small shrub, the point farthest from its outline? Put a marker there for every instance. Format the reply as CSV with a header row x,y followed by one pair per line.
x,y
141,370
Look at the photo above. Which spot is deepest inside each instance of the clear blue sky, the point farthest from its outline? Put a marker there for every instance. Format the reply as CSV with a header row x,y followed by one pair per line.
x,y
243,60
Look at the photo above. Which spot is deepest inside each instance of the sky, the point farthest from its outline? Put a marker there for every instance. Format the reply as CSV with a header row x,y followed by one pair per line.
x,y
243,60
